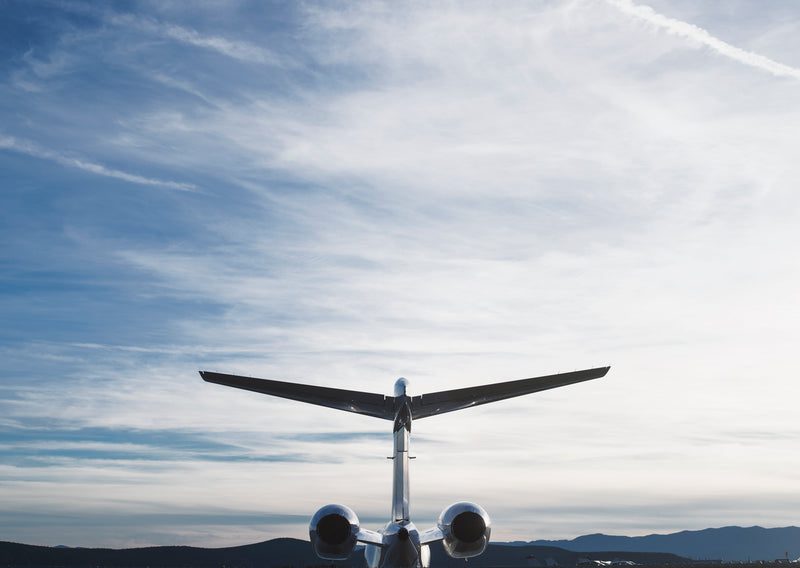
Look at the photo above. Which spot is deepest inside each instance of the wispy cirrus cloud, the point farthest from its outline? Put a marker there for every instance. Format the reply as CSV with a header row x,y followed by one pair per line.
x,y
703,37
235,49
36,151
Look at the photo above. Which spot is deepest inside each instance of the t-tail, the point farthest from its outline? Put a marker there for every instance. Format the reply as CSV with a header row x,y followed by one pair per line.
x,y
463,528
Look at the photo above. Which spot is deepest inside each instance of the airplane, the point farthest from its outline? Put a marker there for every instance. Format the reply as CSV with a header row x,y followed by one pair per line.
x,y
463,528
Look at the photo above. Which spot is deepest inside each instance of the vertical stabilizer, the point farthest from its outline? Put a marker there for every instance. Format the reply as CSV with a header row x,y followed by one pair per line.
x,y
402,435
400,495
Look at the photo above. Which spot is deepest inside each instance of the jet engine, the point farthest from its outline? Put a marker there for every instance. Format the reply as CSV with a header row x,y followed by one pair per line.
x,y
333,531
466,528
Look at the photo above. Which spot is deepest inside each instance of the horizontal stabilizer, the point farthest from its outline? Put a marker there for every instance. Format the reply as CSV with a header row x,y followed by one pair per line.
x,y
447,401
431,535
376,405
370,537
422,406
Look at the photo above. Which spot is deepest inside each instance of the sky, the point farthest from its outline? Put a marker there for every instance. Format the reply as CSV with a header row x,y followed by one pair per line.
x,y
344,193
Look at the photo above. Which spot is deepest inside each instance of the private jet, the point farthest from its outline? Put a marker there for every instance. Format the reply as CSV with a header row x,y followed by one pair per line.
x,y
463,528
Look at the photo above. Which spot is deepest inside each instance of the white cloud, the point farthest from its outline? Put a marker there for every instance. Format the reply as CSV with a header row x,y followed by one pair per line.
x,y
502,198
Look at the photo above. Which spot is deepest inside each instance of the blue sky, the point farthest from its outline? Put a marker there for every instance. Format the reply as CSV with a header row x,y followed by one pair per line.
x,y
345,193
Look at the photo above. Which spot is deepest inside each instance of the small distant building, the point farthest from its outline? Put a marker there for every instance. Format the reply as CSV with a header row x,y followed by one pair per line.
x,y
533,562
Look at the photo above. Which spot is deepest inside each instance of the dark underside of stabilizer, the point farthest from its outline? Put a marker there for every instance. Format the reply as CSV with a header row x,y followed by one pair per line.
x,y
447,401
377,405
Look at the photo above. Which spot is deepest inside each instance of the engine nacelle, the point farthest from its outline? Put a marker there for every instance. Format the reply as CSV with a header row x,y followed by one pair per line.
x,y
333,530
466,528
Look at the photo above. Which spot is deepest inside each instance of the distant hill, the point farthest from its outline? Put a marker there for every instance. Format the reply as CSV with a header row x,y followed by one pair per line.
x,y
279,553
503,555
272,553
727,543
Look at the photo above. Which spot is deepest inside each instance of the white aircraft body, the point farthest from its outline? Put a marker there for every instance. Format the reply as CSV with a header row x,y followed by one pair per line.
x,y
463,528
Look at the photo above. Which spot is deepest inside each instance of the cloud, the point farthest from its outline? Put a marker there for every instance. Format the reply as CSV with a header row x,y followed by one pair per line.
x,y
32,149
703,37
59,442
164,520
235,49
328,437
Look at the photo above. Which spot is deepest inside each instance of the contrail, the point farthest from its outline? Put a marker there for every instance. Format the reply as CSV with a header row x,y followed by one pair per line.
x,y
690,31
31,149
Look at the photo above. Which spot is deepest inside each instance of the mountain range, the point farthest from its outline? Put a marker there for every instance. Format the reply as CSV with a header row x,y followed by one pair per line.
x,y
283,552
726,543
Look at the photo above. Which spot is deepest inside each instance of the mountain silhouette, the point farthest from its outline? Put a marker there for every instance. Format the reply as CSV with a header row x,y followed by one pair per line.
x,y
726,543
283,552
